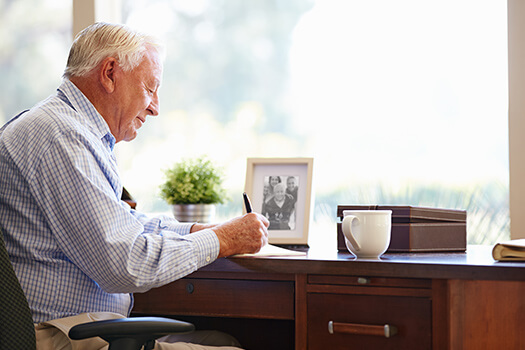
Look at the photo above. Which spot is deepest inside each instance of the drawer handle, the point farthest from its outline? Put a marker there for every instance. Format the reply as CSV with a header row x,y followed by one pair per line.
x,y
363,280
386,330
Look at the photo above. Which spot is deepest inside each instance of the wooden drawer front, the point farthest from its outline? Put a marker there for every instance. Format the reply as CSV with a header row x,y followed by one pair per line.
x,y
370,281
365,314
218,297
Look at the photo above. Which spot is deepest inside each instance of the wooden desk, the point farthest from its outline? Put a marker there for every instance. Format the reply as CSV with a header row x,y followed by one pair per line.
x,y
434,301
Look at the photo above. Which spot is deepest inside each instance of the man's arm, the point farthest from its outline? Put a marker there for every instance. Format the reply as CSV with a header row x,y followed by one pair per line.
x,y
76,187
245,234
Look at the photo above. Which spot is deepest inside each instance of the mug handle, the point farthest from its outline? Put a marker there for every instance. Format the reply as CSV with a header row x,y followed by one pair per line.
x,y
347,231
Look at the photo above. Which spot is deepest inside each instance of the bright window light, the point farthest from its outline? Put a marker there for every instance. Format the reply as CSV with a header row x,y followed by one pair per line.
x,y
398,102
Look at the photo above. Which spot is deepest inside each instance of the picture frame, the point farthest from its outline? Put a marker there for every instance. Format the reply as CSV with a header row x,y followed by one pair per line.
x,y
289,214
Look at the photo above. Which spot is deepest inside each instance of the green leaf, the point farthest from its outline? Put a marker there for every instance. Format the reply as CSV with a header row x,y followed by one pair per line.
x,y
194,181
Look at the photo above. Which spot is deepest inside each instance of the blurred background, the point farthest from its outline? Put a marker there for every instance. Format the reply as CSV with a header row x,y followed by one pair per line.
x,y
401,102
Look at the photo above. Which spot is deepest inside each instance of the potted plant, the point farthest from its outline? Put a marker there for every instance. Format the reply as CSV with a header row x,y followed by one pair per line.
x,y
193,188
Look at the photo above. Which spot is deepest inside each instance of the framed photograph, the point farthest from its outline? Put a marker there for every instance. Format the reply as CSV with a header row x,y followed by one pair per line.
x,y
281,190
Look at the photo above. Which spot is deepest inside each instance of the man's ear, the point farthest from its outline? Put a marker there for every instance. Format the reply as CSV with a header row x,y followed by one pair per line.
x,y
107,74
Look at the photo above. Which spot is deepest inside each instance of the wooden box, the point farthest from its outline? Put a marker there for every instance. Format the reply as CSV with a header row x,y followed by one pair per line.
x,y
418,229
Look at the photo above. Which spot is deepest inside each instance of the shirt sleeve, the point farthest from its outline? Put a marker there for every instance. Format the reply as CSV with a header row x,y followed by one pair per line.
x,y
166,222
78,187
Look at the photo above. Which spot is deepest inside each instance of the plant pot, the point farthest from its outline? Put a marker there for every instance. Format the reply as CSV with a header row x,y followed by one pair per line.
x,y
203,213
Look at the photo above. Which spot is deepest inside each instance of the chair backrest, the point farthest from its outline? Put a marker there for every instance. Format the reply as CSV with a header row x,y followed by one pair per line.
x,y
16,323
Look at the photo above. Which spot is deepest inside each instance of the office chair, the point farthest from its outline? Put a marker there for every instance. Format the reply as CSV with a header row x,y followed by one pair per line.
x,y
17,330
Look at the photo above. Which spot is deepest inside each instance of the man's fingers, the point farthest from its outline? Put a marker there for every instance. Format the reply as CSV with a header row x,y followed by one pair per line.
x,y
245,234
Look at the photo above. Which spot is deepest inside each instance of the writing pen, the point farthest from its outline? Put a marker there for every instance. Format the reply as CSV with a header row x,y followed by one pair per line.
x,y
247,203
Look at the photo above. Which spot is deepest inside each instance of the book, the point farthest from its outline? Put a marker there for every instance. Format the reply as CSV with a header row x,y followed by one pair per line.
x,y
272,250
513,250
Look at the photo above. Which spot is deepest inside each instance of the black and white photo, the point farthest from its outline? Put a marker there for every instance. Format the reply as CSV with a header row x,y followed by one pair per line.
x,y
280,189
279,199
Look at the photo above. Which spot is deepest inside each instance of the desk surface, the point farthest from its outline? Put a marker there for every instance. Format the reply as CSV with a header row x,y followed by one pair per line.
x,y
476,263
293,298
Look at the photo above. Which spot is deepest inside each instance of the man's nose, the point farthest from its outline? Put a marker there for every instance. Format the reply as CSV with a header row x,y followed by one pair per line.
x,y
154,106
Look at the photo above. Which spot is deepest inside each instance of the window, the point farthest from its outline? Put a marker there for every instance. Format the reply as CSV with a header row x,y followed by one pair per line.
x,y
34,44
399,102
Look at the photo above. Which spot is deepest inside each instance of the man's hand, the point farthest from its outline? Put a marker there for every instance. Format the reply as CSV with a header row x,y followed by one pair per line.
x,y
245,234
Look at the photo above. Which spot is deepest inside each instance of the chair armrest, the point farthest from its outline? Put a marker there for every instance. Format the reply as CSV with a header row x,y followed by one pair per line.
x,y
141,329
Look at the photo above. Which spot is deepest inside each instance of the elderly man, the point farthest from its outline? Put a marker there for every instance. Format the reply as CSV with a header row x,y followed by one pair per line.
x,y
76,247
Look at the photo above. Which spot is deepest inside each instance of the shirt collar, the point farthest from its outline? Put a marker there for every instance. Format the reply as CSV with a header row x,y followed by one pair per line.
x,y
73,96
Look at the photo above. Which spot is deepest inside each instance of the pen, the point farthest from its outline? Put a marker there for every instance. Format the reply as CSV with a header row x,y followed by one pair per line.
x,y
247,203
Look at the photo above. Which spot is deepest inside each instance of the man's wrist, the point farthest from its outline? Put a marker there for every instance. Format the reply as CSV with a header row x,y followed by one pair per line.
x,y
198,227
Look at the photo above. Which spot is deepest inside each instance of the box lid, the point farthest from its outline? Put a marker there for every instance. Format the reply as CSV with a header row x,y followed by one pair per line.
x,y
412,214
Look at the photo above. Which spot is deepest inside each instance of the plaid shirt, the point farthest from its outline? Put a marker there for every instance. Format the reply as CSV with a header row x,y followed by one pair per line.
x,y
75,246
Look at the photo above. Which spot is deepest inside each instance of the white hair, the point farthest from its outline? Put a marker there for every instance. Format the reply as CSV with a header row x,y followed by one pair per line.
x,y
102,40
280,185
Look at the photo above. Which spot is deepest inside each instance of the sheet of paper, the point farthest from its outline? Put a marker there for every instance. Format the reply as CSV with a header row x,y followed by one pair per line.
x,y
272,250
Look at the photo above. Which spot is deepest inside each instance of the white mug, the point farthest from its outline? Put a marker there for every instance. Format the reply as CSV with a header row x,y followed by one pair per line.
x,y
367,232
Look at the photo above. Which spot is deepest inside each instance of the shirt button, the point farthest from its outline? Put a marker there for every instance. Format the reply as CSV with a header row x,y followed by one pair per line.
x,y
208,258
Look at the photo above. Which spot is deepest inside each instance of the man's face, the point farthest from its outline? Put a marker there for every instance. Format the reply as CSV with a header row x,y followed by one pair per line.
x,y
137,97
291,183
279,192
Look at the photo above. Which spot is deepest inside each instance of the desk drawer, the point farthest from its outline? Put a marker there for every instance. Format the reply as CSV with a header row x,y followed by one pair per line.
x,y
220,297
357,321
